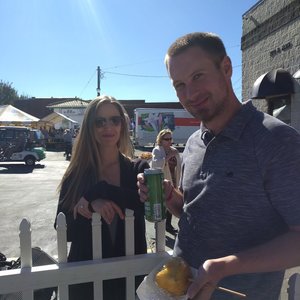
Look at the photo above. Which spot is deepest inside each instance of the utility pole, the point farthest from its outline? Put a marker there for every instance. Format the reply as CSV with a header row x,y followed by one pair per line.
x,y
98,80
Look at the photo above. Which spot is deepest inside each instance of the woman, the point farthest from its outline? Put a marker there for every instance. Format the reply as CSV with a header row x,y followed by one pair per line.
x,y
101,177
167,157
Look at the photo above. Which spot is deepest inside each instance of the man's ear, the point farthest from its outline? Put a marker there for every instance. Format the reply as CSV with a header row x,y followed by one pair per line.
x,y
227,66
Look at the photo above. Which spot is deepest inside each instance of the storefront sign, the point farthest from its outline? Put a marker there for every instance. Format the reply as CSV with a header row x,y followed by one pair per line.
x,y
285,47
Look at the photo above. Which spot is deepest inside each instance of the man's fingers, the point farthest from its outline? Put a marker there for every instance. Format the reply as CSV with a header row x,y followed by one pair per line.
x,y
205,293
141,178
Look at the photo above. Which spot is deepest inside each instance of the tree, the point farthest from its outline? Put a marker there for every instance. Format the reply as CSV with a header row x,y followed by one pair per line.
x,y
8,94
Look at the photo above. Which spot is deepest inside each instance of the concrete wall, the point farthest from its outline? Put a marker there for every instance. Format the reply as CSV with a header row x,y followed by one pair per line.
x,y
271,40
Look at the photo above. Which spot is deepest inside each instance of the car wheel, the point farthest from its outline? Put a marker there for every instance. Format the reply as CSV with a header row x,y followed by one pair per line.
x,y
29,160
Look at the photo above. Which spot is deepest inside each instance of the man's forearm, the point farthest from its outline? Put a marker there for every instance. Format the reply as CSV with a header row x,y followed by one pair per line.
x,y
280,253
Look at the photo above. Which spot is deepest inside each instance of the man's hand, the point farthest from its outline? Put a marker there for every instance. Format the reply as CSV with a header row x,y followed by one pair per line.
x,y
204,284
142,187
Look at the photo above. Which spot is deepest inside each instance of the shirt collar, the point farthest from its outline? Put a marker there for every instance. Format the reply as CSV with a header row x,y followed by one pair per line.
x,y
236,126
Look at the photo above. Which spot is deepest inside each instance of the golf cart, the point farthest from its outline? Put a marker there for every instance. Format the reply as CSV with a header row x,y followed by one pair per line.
x,y
16,144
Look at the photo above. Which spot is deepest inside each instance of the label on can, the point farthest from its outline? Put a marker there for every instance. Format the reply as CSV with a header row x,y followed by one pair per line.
x,y
155,206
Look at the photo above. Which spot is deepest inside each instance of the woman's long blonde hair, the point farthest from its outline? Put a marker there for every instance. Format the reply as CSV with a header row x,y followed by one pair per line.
x,y
83,170
161,134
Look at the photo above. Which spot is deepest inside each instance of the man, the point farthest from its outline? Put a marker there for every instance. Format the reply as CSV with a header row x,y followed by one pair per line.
x,y
239,197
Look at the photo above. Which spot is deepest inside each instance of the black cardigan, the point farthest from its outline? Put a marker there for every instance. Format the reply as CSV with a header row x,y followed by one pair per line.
x,y
79,231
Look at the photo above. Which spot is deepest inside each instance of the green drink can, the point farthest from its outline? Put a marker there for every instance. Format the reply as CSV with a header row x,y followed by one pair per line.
x,y
155,206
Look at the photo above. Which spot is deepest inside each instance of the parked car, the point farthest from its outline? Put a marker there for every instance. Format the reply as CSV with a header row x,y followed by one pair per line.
x,y
20,144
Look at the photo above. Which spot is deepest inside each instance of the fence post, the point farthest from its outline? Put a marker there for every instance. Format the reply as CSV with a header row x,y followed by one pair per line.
x,y
129,250
160,236
25,244
61,229
97,252
129,232
26,253
62,251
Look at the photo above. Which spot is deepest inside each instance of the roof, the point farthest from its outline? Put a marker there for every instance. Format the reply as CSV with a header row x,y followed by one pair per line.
x,y
77,103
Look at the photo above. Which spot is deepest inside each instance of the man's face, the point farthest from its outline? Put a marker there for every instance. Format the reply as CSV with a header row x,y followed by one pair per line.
x,y
200,85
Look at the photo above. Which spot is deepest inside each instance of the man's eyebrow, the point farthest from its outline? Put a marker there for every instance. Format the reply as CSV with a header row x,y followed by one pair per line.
x,y
176,82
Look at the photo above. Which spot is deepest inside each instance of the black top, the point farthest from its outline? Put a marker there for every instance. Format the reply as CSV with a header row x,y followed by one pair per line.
x,y
79,231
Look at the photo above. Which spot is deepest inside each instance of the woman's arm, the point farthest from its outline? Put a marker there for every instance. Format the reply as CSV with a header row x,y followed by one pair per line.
x,y
72,224
124,197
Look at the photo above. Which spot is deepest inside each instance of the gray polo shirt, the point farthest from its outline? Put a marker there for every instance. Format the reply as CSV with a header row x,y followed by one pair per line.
x,y
240,190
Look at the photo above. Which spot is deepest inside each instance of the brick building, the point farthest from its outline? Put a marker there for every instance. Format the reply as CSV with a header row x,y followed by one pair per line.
x,y
270,41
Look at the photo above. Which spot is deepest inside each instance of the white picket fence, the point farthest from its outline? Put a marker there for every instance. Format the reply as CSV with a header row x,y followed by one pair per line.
x,y
29,278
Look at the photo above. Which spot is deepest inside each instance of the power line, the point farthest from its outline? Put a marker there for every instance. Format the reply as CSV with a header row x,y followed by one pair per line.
x,y
131,64
135,75
88,83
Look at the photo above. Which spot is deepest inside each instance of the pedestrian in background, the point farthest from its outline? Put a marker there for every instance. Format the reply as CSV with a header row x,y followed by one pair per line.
x,y
167,158
101,177
238,201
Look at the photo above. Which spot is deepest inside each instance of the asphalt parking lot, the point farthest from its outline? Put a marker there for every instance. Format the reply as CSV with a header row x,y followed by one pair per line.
x,y
31,193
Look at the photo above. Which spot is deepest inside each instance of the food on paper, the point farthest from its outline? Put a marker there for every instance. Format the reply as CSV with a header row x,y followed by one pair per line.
x,y
174,277
146,155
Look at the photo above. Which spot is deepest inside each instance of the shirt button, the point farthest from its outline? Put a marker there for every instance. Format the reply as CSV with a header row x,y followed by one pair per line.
x,y
202,175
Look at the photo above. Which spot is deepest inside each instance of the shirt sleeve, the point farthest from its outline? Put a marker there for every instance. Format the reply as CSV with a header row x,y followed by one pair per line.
x,y
281,175
72,225
158,158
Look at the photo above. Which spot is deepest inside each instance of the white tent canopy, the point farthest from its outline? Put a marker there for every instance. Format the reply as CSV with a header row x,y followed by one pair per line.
x,y
58,120
12,115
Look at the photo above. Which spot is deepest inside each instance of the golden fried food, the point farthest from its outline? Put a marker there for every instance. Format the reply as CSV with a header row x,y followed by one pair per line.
x,y
174,277
146,155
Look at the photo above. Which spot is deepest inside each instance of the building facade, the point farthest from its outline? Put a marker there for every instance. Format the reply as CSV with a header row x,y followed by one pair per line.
x,y
271,41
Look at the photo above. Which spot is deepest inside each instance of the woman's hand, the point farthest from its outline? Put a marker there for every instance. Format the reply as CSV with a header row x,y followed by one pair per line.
x,y
107,209
82,208
172,153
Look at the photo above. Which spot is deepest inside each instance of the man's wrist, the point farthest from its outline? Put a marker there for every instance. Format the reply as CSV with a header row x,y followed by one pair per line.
x,y
220,267
170,195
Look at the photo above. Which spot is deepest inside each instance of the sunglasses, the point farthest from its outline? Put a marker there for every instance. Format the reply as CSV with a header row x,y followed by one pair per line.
x,y
112,121
168,139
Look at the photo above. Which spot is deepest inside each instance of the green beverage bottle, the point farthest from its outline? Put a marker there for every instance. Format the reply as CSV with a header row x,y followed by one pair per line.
x,y
155,206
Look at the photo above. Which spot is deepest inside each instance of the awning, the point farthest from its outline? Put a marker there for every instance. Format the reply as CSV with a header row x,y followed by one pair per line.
x,y
67,118
275,83
56,117
297,75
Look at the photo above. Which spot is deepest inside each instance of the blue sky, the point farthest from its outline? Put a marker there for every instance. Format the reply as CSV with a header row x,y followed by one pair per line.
x,y
51,48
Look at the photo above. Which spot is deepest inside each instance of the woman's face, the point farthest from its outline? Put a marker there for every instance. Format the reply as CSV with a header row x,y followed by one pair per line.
x,y
108,124
166,140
